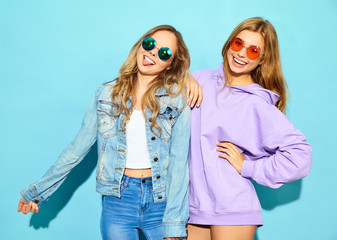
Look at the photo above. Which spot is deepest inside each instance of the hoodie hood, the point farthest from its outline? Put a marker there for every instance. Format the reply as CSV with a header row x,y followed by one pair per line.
x,y
254,88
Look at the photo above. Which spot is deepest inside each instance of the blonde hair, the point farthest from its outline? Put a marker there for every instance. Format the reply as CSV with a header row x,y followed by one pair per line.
x,y
172,79
268,74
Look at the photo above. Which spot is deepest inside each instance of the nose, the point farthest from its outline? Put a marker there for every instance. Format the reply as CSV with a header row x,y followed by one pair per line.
x,y
154,51
242,52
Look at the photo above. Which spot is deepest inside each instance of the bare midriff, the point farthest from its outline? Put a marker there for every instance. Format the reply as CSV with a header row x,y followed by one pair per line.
x,y
138,173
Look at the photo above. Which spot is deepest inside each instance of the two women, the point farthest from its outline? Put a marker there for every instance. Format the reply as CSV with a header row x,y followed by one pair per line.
x,y
141,124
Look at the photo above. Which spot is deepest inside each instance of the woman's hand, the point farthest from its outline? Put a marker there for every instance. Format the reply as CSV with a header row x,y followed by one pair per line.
x,y
27,207
193,92
232,154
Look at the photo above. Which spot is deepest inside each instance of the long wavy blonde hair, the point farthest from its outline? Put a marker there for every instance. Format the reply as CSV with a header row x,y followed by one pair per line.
x,y
172,80
268,74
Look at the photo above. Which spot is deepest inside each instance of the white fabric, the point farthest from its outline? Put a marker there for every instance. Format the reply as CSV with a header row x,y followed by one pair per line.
x,y
137,155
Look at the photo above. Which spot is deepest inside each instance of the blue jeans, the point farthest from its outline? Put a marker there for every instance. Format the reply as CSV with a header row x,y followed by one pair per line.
x,y
135,210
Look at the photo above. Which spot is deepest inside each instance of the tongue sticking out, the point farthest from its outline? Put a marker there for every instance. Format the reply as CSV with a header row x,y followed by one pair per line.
x,y
147,61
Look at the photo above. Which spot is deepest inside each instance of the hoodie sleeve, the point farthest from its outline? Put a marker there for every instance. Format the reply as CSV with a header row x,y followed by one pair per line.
x,y
202,76
287,155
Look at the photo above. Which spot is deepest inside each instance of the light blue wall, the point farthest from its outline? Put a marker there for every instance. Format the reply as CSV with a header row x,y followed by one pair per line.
x,y
53,54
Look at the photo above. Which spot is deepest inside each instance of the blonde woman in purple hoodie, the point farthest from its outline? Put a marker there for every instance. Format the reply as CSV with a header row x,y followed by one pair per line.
x,y
240,133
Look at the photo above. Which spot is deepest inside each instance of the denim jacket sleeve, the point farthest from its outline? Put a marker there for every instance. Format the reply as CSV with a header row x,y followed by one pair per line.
x,y
177,211
40,191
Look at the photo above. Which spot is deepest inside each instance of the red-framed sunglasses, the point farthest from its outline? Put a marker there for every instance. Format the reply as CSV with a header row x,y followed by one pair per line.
x,y
253,52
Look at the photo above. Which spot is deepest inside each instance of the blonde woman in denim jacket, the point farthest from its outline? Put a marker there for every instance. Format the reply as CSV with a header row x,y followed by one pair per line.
x,y
141,123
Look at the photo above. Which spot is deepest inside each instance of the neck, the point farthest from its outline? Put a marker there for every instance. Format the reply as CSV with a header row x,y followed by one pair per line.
x,y
141,87
144,79
240,79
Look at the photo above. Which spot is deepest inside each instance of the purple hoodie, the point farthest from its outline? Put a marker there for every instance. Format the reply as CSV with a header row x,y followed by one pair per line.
x,y
275,152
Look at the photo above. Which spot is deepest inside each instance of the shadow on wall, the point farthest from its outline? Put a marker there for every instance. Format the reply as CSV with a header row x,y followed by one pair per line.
x,y
61,197
271,198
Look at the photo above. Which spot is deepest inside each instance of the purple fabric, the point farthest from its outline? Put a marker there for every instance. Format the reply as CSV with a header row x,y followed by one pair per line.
x,y
275,152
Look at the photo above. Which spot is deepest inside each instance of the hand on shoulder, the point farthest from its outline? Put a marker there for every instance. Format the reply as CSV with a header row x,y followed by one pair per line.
x,y
193,92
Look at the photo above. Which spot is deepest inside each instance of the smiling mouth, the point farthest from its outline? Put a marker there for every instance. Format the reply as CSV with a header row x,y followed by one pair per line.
x,y
148,60
239,62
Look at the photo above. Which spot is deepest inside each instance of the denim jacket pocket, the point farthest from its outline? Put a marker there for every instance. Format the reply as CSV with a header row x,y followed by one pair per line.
x,y
167,117
106,123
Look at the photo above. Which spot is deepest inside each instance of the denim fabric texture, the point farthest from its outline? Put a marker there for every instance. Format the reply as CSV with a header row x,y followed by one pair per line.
x,y
122,217
168,149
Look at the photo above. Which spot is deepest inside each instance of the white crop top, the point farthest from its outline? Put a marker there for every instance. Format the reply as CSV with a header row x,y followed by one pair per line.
x,y
137,154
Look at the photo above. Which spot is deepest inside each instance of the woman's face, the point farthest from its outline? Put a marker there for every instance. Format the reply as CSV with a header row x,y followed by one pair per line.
x,y
148,62
238,61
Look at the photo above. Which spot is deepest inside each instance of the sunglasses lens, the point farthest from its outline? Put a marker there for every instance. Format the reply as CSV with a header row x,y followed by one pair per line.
x,y
164,53
253,52
236,44
148,43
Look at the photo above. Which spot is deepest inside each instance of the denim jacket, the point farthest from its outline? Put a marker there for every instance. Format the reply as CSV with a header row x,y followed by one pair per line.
x,y
168,150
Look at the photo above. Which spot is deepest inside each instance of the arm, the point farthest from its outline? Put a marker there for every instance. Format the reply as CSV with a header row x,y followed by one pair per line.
x,y
290,159
193,92
287,155
176,212
40,191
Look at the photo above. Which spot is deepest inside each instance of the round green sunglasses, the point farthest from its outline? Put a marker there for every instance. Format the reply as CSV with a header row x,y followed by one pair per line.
x,y
164,53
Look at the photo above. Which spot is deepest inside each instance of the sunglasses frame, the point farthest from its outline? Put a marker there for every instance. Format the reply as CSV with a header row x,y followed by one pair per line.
x,y
160,50
243,46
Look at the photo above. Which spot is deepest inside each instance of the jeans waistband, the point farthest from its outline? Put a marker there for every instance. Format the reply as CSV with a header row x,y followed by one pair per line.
x,y
140,181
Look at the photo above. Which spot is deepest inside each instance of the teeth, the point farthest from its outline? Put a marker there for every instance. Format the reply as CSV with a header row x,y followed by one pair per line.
x,y
239,62
149,60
